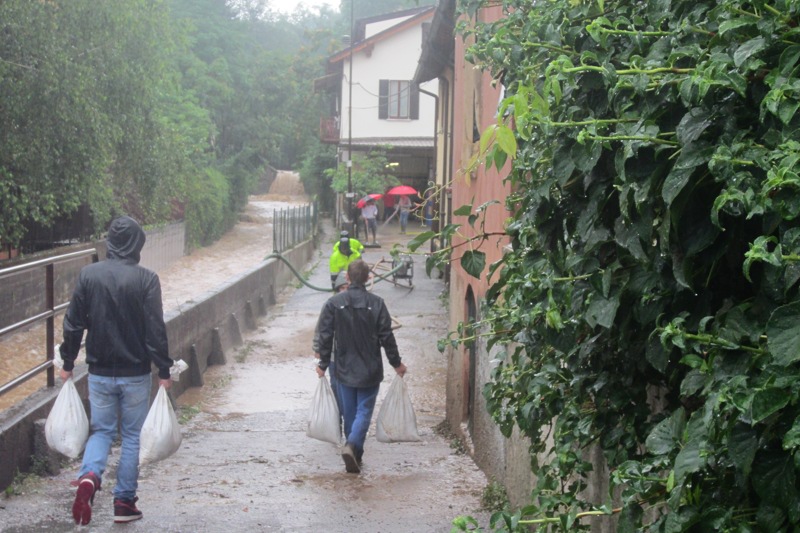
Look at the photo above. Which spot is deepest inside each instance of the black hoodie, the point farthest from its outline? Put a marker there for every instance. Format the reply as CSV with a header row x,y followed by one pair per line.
x,y
119,303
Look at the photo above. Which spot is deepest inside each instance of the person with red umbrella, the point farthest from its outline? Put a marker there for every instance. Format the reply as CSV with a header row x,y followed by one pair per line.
x,y
370,215
404,205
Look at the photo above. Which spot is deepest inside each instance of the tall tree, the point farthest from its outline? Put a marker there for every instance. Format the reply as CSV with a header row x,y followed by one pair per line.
x,y
81,123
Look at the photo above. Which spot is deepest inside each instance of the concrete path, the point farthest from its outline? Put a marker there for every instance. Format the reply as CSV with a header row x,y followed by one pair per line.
x,y
246,464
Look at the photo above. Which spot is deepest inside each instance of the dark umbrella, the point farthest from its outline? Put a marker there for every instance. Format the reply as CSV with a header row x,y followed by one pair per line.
x,y
361,203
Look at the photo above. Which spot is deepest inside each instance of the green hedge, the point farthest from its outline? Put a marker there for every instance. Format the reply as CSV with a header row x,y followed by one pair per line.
x,y
651,296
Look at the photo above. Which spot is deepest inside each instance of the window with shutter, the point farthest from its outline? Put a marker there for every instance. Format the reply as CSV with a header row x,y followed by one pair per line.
x,y
398,99
383,99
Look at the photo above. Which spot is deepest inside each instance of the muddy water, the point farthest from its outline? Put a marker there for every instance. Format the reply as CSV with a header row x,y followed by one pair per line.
x,y
237,251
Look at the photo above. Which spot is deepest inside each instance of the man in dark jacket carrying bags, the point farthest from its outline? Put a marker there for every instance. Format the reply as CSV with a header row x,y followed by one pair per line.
x,y
360,323
119,304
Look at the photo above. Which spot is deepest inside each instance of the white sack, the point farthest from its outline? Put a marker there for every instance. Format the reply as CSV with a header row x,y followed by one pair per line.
x,y
161,433
323,417
67,426
396,419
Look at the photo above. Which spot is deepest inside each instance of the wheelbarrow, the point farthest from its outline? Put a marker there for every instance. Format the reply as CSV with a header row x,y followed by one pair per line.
x,y
403,268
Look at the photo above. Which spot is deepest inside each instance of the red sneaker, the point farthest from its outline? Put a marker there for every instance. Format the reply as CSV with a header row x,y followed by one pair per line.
x,y
126,511
88,485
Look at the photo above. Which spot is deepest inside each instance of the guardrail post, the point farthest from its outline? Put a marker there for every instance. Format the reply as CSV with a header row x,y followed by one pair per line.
x,y
50,303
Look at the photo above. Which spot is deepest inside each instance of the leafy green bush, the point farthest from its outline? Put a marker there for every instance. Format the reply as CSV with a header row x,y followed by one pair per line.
x,y
650,303
208,208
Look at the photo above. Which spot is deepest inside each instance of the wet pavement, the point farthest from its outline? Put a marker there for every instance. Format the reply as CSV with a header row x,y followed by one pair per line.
x,y
246,464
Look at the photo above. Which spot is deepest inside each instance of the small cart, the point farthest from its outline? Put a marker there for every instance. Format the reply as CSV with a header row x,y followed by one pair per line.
x,y
403,267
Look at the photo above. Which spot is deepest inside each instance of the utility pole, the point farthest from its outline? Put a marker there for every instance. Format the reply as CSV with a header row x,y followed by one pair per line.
x,y
349,163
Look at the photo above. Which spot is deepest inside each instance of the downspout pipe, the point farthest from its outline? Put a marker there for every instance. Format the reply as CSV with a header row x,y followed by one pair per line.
x,y
437,205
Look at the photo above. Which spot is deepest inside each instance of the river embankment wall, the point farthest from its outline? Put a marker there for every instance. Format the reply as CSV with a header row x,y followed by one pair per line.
x,y
200,333
23,294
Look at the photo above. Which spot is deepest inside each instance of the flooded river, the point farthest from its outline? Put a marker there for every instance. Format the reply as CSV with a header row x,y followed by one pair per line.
x,y
237,251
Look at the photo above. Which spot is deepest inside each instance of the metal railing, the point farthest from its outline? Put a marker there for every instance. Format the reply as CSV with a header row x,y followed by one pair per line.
x,y
51,309
293,225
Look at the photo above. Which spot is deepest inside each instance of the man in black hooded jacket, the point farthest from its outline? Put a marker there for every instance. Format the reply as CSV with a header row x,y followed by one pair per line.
x,y
118,302
357,323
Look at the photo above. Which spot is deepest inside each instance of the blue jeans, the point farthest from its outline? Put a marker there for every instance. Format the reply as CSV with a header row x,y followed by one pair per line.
x,y
357,405
404,220
117,404
371,227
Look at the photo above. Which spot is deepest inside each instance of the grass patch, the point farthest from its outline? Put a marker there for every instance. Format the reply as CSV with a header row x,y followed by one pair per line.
x,y
188,412
244,352
494,497
24,483
221,382
443,429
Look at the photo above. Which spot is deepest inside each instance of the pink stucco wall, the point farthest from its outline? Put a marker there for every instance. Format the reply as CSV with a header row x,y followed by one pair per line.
x,y
475,96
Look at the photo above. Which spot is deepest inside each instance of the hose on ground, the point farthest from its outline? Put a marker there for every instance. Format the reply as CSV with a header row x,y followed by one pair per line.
x,y
277,255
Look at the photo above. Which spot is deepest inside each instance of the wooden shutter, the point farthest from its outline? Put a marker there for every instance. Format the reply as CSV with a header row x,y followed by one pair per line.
x,y
414,103
383,99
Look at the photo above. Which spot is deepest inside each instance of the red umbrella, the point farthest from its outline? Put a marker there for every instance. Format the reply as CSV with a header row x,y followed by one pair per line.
x,y
402,190
361,203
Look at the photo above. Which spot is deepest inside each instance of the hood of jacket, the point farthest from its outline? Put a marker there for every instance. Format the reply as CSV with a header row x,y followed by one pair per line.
x,y
125,239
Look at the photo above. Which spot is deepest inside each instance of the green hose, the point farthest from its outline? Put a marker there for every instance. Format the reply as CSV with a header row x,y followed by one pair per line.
x,y
276,255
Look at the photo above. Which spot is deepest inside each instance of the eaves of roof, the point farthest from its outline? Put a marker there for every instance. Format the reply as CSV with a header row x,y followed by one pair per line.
x,y
439,46
394,142
368,43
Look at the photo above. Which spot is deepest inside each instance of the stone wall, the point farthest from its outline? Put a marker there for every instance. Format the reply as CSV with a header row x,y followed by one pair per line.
x,y
506,461
164,246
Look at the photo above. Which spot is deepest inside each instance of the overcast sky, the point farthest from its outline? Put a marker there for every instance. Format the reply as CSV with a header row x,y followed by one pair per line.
x,y
287,6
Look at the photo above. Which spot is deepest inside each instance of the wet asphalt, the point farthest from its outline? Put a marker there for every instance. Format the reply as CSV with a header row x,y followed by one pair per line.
x,y
245,463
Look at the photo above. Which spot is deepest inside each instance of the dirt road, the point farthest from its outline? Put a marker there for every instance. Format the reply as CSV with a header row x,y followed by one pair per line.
x,y
246,464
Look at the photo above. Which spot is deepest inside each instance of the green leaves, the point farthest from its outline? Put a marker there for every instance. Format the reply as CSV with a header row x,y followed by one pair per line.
x,y
656,198
783,334
667,435
746,50
473,263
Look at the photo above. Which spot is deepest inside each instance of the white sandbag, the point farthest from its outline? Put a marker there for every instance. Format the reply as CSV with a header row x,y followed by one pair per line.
x,y
67,427
323,417
161,433
396,419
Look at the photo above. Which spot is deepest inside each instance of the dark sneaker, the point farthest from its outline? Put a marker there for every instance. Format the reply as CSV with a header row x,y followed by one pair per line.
x,y
350,461
88,485
126,511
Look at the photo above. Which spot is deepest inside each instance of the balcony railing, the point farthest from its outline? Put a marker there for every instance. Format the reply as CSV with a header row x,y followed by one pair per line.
x,y
329,129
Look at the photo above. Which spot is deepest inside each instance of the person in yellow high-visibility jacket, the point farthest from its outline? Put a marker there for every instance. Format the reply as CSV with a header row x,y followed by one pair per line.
x,y
355,244
344,253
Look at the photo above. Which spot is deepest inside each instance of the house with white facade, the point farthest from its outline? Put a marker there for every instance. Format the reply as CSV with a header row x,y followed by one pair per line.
x,y
372,101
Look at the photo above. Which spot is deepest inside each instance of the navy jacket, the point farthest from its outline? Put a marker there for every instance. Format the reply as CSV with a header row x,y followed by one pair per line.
x,y
119,303
360,322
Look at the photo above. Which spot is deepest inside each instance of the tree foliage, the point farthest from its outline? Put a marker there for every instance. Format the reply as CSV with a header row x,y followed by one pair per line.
x,y
650,303
141,108
82,94
370,175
